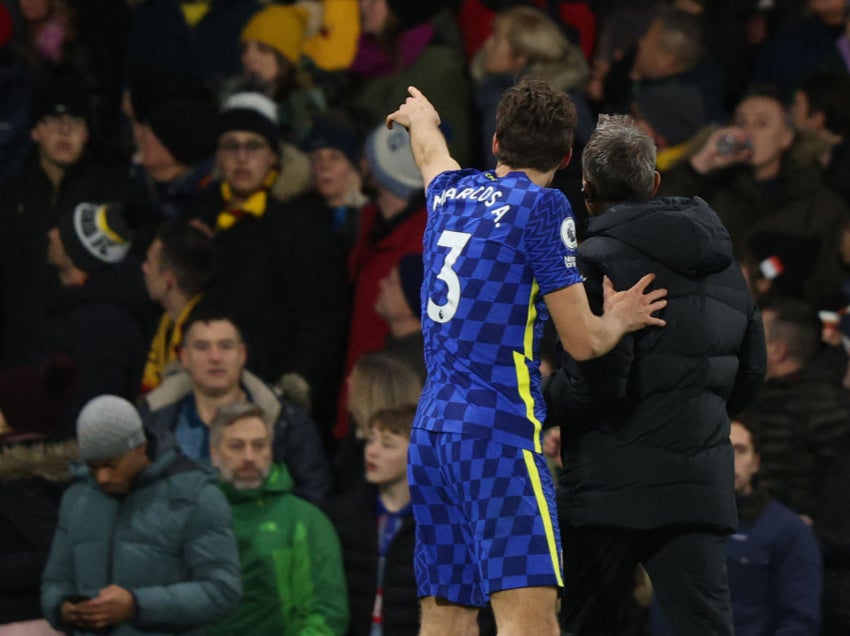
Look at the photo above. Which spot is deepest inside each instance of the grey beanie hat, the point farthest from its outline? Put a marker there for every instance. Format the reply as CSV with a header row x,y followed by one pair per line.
x,y
108,427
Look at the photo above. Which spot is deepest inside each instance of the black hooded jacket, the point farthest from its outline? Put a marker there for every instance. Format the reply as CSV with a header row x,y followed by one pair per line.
x,y
644,429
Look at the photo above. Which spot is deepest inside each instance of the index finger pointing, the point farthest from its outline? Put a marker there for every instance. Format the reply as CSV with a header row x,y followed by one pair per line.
x,y
414,92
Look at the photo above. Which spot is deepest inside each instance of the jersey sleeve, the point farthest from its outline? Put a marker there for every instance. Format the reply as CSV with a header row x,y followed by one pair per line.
x,y
551,242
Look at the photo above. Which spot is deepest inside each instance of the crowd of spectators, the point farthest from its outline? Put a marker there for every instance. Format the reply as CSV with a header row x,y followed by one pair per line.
x,y
200,206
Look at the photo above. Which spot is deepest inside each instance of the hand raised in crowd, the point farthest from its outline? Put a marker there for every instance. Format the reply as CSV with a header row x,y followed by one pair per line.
x,y
724,147
633,308
113,605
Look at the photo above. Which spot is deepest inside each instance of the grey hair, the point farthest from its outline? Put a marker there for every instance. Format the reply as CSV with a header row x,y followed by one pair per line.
x,y
227,414
619,161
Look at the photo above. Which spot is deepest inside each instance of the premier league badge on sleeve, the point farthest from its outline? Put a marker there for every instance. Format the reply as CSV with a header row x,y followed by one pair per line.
x,y
568,233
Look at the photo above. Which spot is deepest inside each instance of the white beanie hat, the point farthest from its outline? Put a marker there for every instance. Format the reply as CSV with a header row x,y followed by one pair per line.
x,y
391,161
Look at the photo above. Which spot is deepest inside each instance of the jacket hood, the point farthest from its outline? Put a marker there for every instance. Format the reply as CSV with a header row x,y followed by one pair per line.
x,y
38,459
683,234
279,482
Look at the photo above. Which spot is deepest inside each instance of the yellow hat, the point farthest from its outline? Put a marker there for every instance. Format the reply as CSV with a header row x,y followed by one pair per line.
x,y
333,47
281,27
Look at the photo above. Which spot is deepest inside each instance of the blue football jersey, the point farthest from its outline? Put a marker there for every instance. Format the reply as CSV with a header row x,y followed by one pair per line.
x,y
492,248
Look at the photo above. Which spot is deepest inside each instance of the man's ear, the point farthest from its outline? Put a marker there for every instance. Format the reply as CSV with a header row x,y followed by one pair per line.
x,y
588,191
566,160
494,146
656,182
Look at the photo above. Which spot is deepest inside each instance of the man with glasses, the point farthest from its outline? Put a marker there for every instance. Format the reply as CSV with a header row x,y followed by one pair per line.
x,y
280,273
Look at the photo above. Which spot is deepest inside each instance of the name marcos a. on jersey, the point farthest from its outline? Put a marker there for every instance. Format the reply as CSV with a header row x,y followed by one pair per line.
x,y
492,248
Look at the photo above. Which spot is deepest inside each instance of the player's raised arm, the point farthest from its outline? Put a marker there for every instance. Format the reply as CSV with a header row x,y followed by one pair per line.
x,y
421,119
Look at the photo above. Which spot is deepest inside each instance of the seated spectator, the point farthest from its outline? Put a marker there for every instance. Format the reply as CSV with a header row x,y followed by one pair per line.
x,y
525,41
376,527
292,572
99,315
820,108
802,410
404,43
757,178
33,475
213,356
336,151
279,271
399,303
180,265
144,541
390,227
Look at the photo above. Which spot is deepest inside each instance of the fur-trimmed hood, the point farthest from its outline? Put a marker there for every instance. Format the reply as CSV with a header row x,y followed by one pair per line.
x,y
47,459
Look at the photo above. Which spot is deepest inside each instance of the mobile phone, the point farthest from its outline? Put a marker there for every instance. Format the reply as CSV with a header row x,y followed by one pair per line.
x,y
77,598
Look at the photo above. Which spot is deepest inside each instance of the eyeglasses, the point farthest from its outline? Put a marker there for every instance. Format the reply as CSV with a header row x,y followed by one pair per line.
x,y
251,148
64,120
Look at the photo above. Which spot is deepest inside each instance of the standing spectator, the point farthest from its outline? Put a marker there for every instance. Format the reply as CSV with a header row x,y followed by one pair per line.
x,y
820,107
290,556
391,226
403,43
803,412
213,356
179,266
376,527
647,463
279,272
144,541
57,175
757,178
99,315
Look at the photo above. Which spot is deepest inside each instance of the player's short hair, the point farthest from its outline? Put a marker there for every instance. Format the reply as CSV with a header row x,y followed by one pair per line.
x,y
619,161
535,125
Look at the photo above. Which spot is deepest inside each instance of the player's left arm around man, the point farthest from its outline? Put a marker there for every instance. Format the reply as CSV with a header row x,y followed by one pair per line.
x,y
427,142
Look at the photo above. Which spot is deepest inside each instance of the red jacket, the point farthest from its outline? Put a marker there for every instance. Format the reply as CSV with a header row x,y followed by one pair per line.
x,y
370,261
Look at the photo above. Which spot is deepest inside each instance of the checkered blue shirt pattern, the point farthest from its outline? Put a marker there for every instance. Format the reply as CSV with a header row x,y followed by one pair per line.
x,y
492,247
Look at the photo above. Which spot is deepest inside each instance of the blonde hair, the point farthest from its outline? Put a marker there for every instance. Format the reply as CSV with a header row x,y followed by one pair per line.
x,y
378,382
549,54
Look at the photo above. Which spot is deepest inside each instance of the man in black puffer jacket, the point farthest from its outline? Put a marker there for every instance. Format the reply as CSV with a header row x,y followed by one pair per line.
x,y
648,469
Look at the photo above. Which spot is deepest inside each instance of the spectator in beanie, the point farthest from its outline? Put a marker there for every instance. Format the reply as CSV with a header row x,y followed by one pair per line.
x,y
390,227
335,151
173,119
56,175
279,271
99,315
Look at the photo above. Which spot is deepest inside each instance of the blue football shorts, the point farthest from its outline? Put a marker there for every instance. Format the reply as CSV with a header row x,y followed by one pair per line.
x,y
485,518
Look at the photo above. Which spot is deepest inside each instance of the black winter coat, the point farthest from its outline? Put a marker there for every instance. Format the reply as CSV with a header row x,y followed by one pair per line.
x,y
644,429
353,516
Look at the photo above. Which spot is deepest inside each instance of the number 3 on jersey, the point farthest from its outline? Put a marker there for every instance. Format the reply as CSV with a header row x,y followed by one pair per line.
x,y
455,241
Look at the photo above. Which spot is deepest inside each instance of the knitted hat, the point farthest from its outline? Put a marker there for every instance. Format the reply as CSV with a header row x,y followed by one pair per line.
x,y
186,127
334,44
328,133
108,427
391,161
413,12
410,273
281,27
62,96
95,235
250,112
